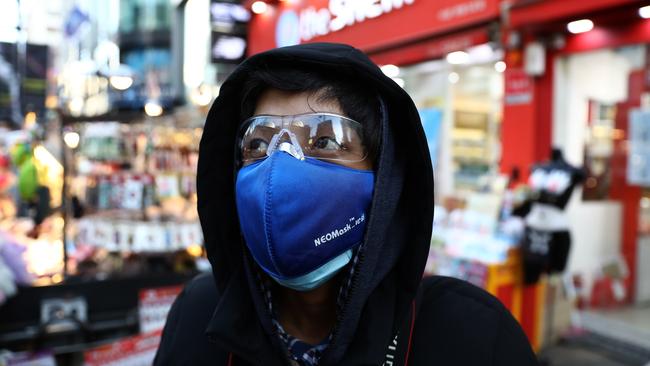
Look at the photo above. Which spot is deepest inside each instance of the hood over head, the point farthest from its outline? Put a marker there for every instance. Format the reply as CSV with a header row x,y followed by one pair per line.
x,y
398,229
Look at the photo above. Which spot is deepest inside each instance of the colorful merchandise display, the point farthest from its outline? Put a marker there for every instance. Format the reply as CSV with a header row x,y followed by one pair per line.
x,y
132,189
465,241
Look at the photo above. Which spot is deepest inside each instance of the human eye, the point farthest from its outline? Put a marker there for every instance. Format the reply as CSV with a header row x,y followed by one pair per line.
x,y
256,147
327,143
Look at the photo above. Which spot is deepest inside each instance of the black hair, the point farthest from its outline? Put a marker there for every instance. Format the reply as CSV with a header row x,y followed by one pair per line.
x,y
357,101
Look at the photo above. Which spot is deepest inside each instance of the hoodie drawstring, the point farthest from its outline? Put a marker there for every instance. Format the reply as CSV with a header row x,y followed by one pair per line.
x,y
408,348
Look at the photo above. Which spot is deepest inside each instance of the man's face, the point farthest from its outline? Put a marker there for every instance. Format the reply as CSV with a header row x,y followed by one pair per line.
x,y
282,103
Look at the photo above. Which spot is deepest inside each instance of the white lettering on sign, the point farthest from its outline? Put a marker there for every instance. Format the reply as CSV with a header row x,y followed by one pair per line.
x,y
343,13
462,10
314,23
453,45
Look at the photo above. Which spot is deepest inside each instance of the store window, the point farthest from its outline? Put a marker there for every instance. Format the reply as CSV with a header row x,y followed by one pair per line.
x,y
460,100
466,89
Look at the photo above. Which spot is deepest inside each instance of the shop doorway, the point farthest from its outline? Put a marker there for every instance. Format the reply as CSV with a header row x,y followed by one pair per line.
x,y
602,105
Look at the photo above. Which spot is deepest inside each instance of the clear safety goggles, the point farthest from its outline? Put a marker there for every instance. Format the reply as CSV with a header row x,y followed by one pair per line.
x,y
324,136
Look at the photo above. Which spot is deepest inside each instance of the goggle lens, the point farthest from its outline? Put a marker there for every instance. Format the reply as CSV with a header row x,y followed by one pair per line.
x,y
322,136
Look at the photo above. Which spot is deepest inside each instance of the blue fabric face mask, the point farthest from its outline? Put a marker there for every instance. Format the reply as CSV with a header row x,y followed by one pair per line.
x,y
302,218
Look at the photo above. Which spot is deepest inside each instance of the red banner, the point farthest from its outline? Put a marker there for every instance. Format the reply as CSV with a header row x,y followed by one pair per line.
x,y
524,12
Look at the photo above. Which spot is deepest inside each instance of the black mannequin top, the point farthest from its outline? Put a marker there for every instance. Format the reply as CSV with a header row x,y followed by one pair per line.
x,y
555,180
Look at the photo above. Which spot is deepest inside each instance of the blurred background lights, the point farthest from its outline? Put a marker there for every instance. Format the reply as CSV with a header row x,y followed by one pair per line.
x,y
75,105
259,7
480,53
121,82
453,77
202,96
500,66
644,12
30,119
580,26
391,71
71,139
458,57
195,250
153,109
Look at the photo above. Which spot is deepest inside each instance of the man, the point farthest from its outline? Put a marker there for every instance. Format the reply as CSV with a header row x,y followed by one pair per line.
x,y
316,201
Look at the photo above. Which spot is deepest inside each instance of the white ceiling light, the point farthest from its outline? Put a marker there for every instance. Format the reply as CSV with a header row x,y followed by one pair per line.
x,y
202,96
259,7
644,12
453,77
391,71
458,57
399,82
76,105
71,139
121,82
580,26
153,109
500,66
482,53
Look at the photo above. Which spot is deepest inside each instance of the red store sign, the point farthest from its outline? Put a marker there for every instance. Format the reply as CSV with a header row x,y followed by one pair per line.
x,y
366,24
434,48
519,87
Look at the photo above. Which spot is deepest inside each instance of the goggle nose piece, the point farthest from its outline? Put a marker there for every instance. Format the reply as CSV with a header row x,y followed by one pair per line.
x,y
292,148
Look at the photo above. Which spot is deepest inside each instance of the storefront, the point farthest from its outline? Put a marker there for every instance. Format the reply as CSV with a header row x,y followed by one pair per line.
x,y
463,101
585,65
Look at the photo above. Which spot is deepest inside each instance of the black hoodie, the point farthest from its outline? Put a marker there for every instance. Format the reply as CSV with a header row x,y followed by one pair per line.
x,y
222,319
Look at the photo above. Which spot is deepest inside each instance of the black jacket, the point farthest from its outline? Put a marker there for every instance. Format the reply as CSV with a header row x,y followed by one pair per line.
x,y
222,319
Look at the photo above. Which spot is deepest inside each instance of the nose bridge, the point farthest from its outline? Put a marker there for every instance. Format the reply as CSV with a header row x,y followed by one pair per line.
x,y
286,141
283,135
